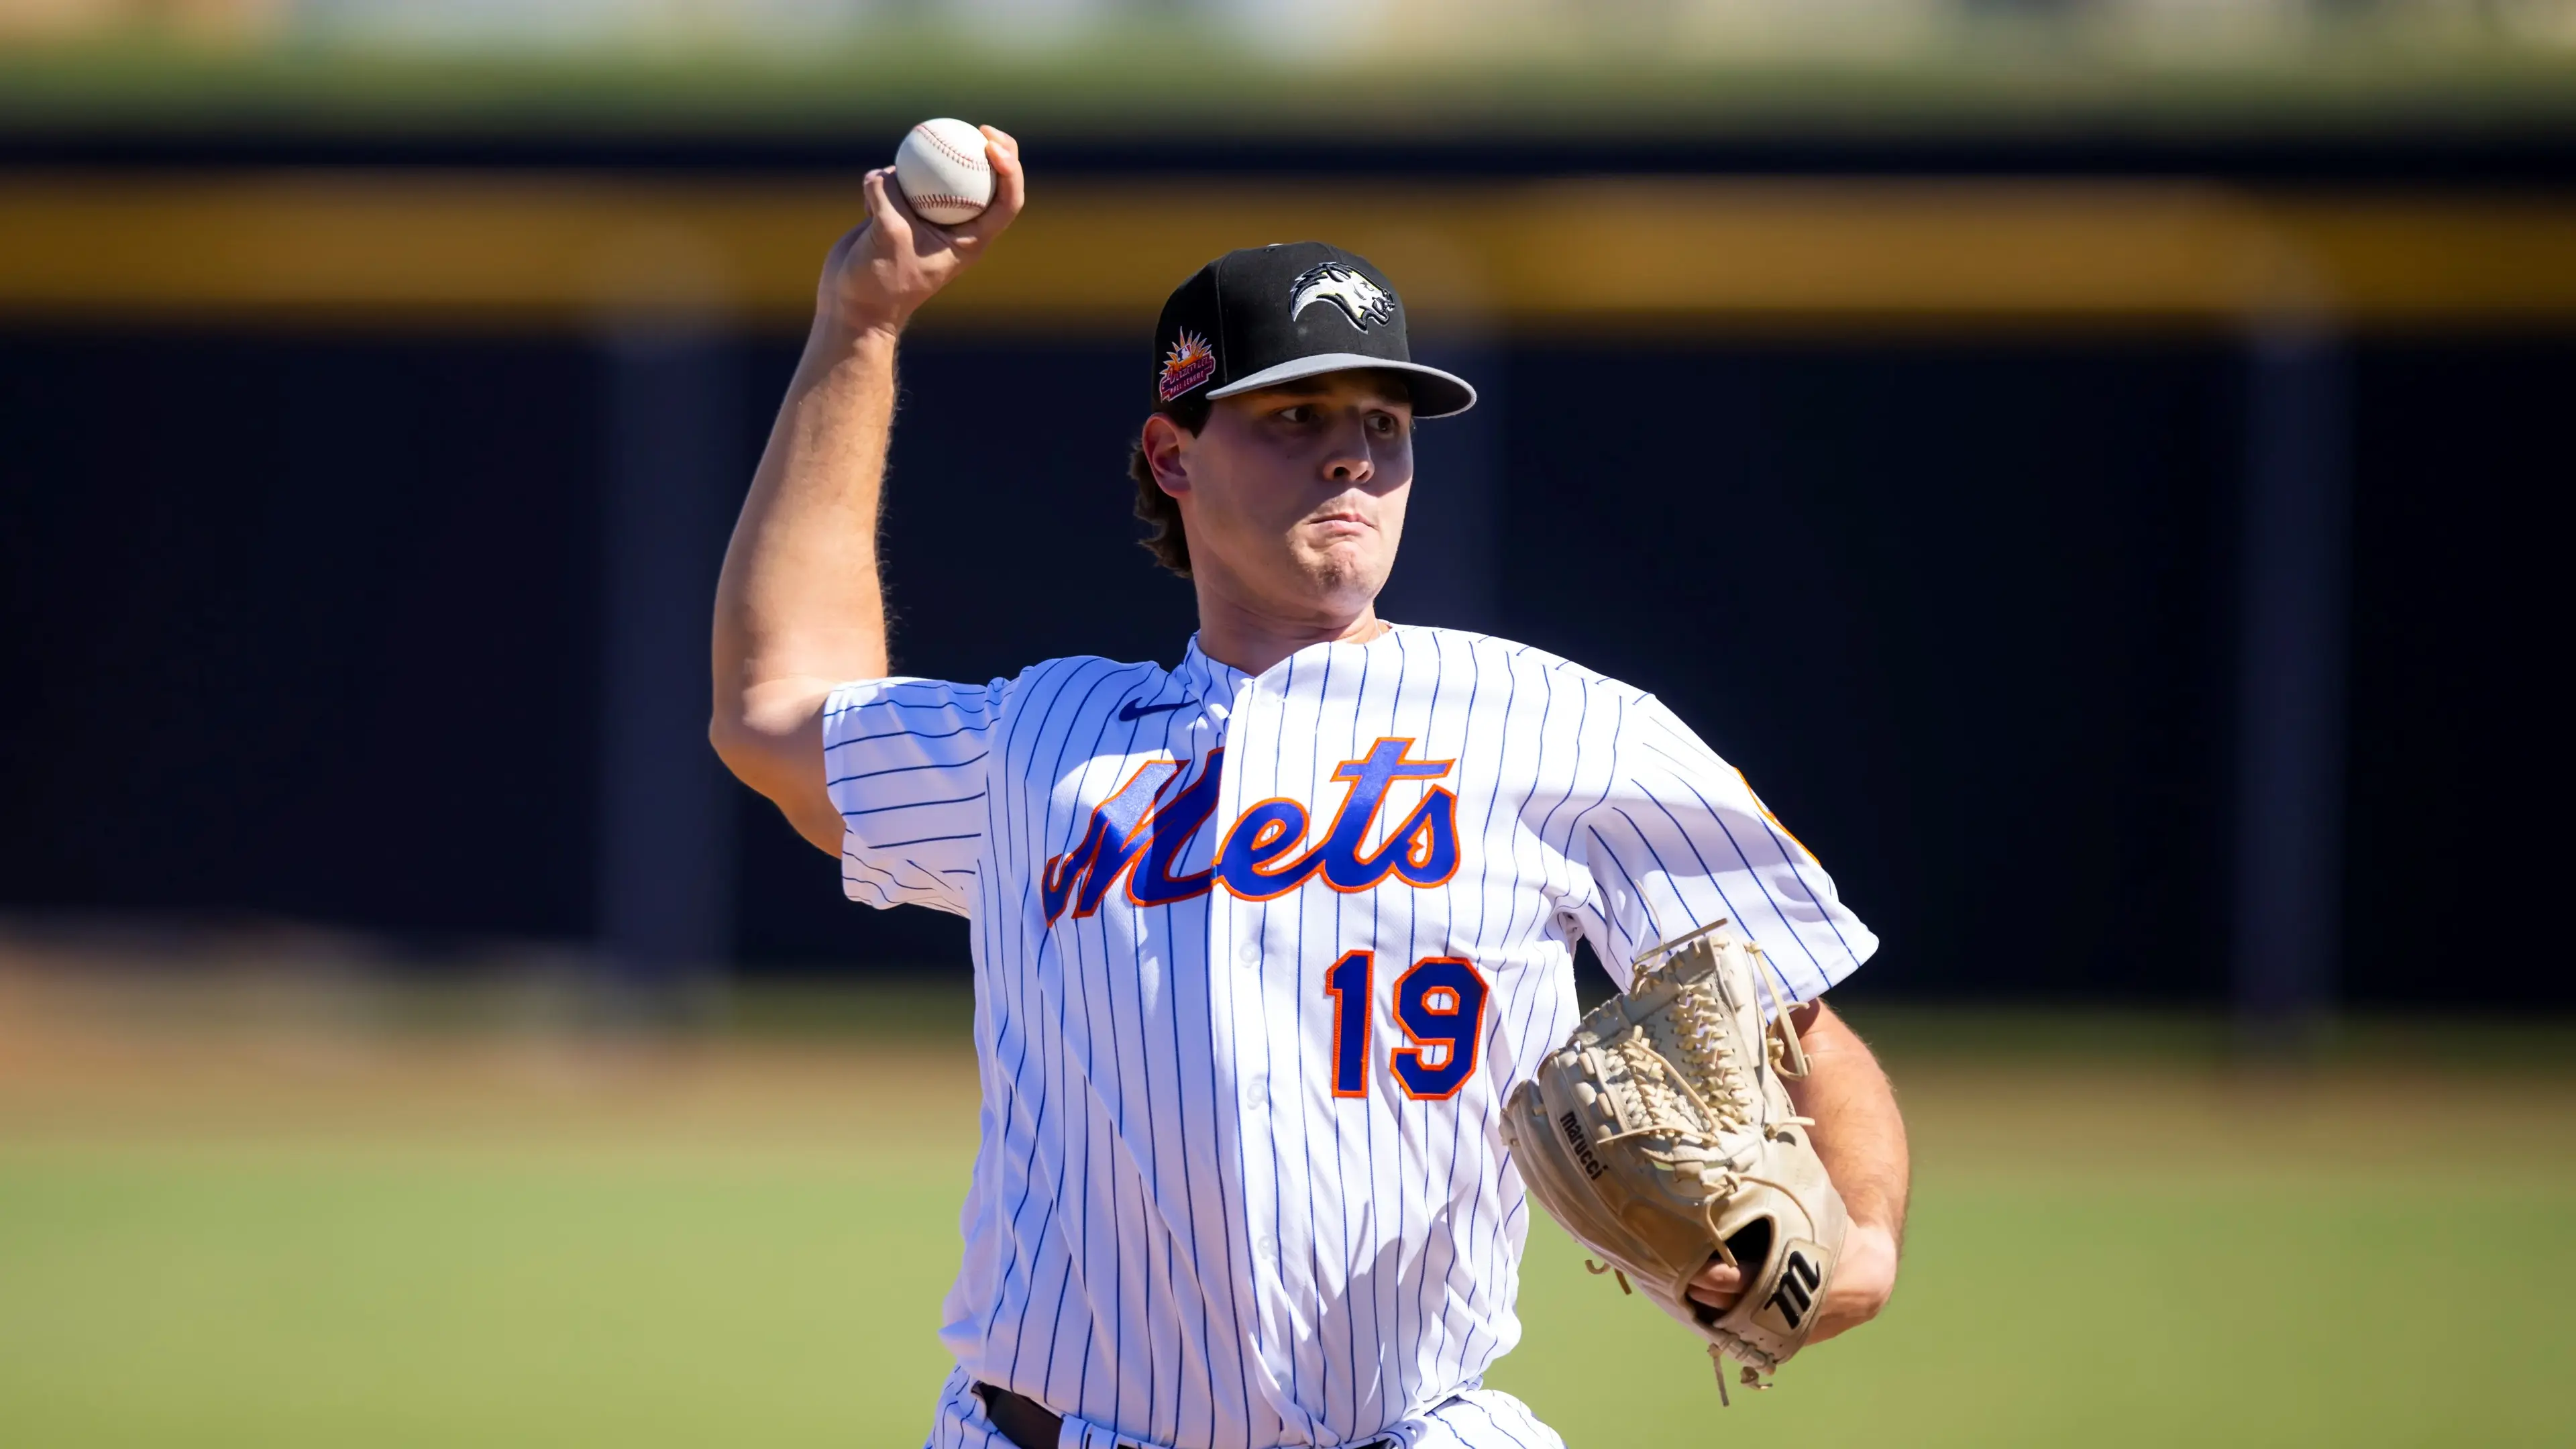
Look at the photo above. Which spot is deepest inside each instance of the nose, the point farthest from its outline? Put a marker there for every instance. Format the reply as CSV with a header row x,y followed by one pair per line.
x,y
1349,460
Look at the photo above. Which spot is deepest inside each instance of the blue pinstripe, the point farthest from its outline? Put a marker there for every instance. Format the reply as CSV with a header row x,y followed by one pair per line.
x,y
1130,1169
1789,856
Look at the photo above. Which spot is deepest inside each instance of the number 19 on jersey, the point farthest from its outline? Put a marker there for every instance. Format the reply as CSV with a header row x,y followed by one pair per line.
x,y
1440,1008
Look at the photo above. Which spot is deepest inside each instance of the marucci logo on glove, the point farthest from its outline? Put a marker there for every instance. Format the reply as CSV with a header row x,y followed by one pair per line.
x,y
1796,1294
1573,1129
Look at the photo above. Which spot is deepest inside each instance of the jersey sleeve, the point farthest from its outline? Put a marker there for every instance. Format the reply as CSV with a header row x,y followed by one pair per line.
x,y
1679,840
905,762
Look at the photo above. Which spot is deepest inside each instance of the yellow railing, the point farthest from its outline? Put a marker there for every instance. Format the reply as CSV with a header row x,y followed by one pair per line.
x,y
413,250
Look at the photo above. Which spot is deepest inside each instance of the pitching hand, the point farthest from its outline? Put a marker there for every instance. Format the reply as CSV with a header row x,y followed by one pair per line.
x,y
1862,1282
880,273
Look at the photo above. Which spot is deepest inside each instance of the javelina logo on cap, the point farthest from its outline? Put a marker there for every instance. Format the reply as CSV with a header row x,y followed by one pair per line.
x,y
1365,302
1189,363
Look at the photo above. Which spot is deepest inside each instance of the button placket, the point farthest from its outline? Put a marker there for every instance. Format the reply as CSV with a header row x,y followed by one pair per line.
x,y
1233,937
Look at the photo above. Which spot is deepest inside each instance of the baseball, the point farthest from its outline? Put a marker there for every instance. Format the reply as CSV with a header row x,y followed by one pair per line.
x,y
943,171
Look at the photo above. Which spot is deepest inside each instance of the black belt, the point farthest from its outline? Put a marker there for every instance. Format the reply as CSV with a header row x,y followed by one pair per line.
x,y
1025,1422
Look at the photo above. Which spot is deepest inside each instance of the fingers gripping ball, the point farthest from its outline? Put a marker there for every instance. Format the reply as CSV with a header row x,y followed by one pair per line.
x,y
944,172
1662,1137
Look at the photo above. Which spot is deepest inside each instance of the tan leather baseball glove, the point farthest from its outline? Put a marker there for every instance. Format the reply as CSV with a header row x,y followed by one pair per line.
x,y
1661,1137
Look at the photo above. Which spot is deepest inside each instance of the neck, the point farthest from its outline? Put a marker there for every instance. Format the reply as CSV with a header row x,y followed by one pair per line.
x,y
1251,638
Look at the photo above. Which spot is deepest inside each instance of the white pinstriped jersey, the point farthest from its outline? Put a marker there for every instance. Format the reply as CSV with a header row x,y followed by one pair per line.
x,y
1258,959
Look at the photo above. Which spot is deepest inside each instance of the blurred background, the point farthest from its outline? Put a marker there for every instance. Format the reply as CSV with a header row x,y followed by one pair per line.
x,y
2092,463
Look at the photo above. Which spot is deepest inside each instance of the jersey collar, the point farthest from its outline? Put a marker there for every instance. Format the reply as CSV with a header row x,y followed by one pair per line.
x,y
1205,678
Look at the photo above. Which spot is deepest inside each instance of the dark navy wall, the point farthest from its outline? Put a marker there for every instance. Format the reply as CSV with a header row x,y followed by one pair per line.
x,y
1949,609
2461,800
308,626
298,628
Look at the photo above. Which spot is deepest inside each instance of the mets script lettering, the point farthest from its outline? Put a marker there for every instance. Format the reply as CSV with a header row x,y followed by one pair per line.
x,y
1137,835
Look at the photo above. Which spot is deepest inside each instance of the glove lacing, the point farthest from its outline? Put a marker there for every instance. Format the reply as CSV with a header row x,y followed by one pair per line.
x,y
1706,1040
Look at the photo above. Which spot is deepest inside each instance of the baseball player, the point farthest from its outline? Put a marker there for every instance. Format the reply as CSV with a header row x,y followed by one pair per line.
x,y
1262,941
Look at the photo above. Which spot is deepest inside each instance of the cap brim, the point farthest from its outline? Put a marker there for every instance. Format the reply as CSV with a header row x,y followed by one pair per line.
x,y
1436,394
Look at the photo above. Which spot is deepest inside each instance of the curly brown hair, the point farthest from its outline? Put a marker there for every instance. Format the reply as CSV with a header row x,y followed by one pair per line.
x,y
1169,543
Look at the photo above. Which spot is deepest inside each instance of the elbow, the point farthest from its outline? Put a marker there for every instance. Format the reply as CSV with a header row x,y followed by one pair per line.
x,y
785,767
735,742
772,744
750,756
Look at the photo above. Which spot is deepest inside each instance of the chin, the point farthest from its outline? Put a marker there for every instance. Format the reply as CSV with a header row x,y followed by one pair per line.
x,y
1340,573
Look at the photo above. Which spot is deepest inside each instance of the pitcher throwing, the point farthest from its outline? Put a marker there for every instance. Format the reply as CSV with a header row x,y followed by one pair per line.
x,y
1263,941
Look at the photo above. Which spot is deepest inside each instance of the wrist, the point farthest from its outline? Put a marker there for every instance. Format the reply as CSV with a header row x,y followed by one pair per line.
x,y
861,311
841,334
1877,1231
1870,1254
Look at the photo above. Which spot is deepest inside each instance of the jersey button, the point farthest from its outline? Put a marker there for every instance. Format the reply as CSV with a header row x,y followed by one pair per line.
x,y
1256,1095
1248,953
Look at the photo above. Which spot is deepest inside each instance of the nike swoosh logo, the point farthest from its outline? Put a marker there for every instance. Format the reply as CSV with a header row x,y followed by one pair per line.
x,y
1131,710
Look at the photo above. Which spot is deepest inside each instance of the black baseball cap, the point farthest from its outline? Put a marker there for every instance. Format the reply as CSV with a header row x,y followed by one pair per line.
x,y
1262,316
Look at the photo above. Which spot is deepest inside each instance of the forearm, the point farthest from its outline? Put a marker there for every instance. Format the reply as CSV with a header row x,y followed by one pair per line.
x,y
799,607
1858,1132
800,596
1860,1137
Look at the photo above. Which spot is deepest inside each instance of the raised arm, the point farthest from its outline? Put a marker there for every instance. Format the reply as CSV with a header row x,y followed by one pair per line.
x,y
799,609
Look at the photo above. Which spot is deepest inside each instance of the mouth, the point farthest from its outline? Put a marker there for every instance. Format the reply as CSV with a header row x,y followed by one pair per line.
x,y
1341,521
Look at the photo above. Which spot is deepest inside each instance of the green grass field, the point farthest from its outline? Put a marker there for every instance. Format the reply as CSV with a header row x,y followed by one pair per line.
x,y
303,1237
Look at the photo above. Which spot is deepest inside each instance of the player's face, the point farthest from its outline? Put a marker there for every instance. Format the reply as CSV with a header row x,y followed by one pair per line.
x,y
1296,493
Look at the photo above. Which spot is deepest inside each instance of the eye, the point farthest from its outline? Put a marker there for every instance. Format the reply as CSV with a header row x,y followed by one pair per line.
x,y
1385,425
1297,413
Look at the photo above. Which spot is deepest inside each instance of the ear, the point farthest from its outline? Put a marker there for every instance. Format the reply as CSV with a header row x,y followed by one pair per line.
x,y
1167,446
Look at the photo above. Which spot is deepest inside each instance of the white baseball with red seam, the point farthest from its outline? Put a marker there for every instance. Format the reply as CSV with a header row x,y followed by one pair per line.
x,y
944,172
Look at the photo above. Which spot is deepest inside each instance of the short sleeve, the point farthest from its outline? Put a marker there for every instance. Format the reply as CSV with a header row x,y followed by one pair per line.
x,y
904,761
1679,840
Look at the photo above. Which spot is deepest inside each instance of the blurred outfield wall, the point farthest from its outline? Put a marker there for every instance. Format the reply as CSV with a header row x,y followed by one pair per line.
x,y
374,437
